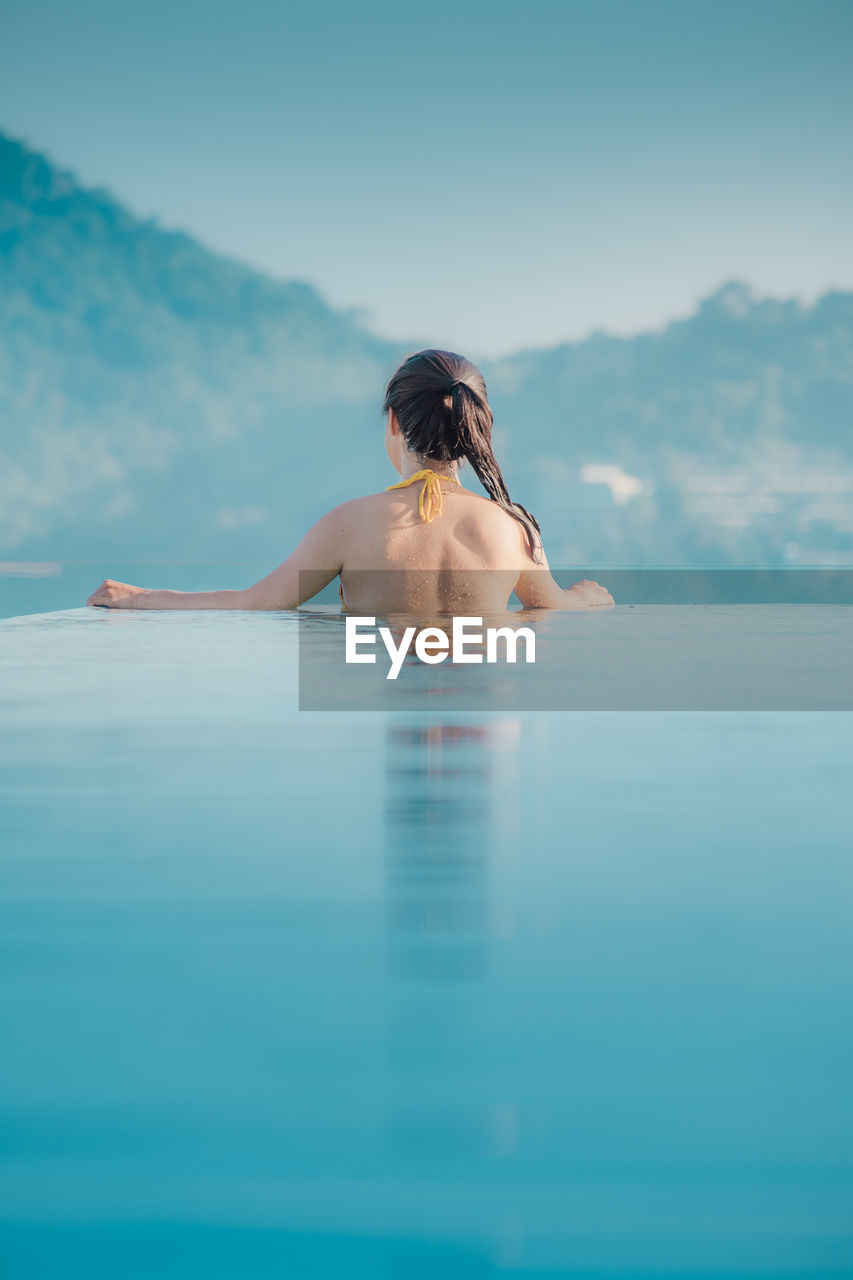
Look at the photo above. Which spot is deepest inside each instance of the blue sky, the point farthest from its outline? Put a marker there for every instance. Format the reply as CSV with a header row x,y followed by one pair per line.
x,y
482,176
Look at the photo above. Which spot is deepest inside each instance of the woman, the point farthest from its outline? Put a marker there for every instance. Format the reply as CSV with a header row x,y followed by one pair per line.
x,y
426,544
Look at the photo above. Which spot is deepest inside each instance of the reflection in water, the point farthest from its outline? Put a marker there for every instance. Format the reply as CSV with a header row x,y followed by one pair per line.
x,y
439,814
448,817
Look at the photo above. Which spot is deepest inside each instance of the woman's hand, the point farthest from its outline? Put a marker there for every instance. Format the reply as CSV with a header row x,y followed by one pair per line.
x,y
589,595
117,595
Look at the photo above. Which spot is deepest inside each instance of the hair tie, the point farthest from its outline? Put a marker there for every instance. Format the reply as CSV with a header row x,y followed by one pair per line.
x,y
458,382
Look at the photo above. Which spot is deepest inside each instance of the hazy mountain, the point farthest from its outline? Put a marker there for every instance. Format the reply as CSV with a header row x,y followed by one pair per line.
x,y
733,426
160,401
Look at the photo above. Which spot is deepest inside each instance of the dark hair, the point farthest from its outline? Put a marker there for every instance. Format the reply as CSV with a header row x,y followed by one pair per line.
x,y
440,402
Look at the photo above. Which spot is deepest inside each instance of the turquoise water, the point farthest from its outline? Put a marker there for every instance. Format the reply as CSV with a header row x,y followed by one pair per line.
x,y
397,994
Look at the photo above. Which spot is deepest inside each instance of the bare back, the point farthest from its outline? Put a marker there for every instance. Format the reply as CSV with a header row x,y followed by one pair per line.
x,y
467,559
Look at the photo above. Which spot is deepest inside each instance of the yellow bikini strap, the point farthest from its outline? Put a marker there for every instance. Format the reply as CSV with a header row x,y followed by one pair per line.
x,y
429,502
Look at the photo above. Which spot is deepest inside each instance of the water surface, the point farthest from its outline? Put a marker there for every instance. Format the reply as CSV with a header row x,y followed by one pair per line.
x,y
409,993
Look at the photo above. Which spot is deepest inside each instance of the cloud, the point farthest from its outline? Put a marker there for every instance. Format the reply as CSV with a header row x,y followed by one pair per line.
x,y
622,486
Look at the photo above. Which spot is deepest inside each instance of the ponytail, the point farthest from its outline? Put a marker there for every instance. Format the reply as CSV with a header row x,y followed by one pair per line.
x,y
471,420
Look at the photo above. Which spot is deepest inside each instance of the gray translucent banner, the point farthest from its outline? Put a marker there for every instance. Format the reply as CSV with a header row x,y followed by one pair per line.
x,y
680,639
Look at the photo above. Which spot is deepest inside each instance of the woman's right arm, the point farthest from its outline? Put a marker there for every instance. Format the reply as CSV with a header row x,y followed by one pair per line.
x,y
536,588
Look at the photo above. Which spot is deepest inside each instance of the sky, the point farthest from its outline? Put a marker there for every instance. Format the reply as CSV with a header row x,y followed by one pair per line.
x,y
472,174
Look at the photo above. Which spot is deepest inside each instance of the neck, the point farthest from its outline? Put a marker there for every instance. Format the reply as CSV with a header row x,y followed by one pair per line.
x,y
410,463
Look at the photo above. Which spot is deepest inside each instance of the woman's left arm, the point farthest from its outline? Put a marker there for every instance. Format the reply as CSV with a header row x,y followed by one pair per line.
x,y
311,566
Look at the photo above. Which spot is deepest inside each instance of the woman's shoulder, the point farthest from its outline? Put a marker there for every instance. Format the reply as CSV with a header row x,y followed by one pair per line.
x,y
491,511
355,507
485,512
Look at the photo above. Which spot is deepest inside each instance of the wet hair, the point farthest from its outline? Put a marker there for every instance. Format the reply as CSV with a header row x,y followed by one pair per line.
x,y
440,402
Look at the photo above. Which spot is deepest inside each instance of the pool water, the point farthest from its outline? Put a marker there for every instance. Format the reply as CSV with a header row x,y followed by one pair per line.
x,y
408,993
